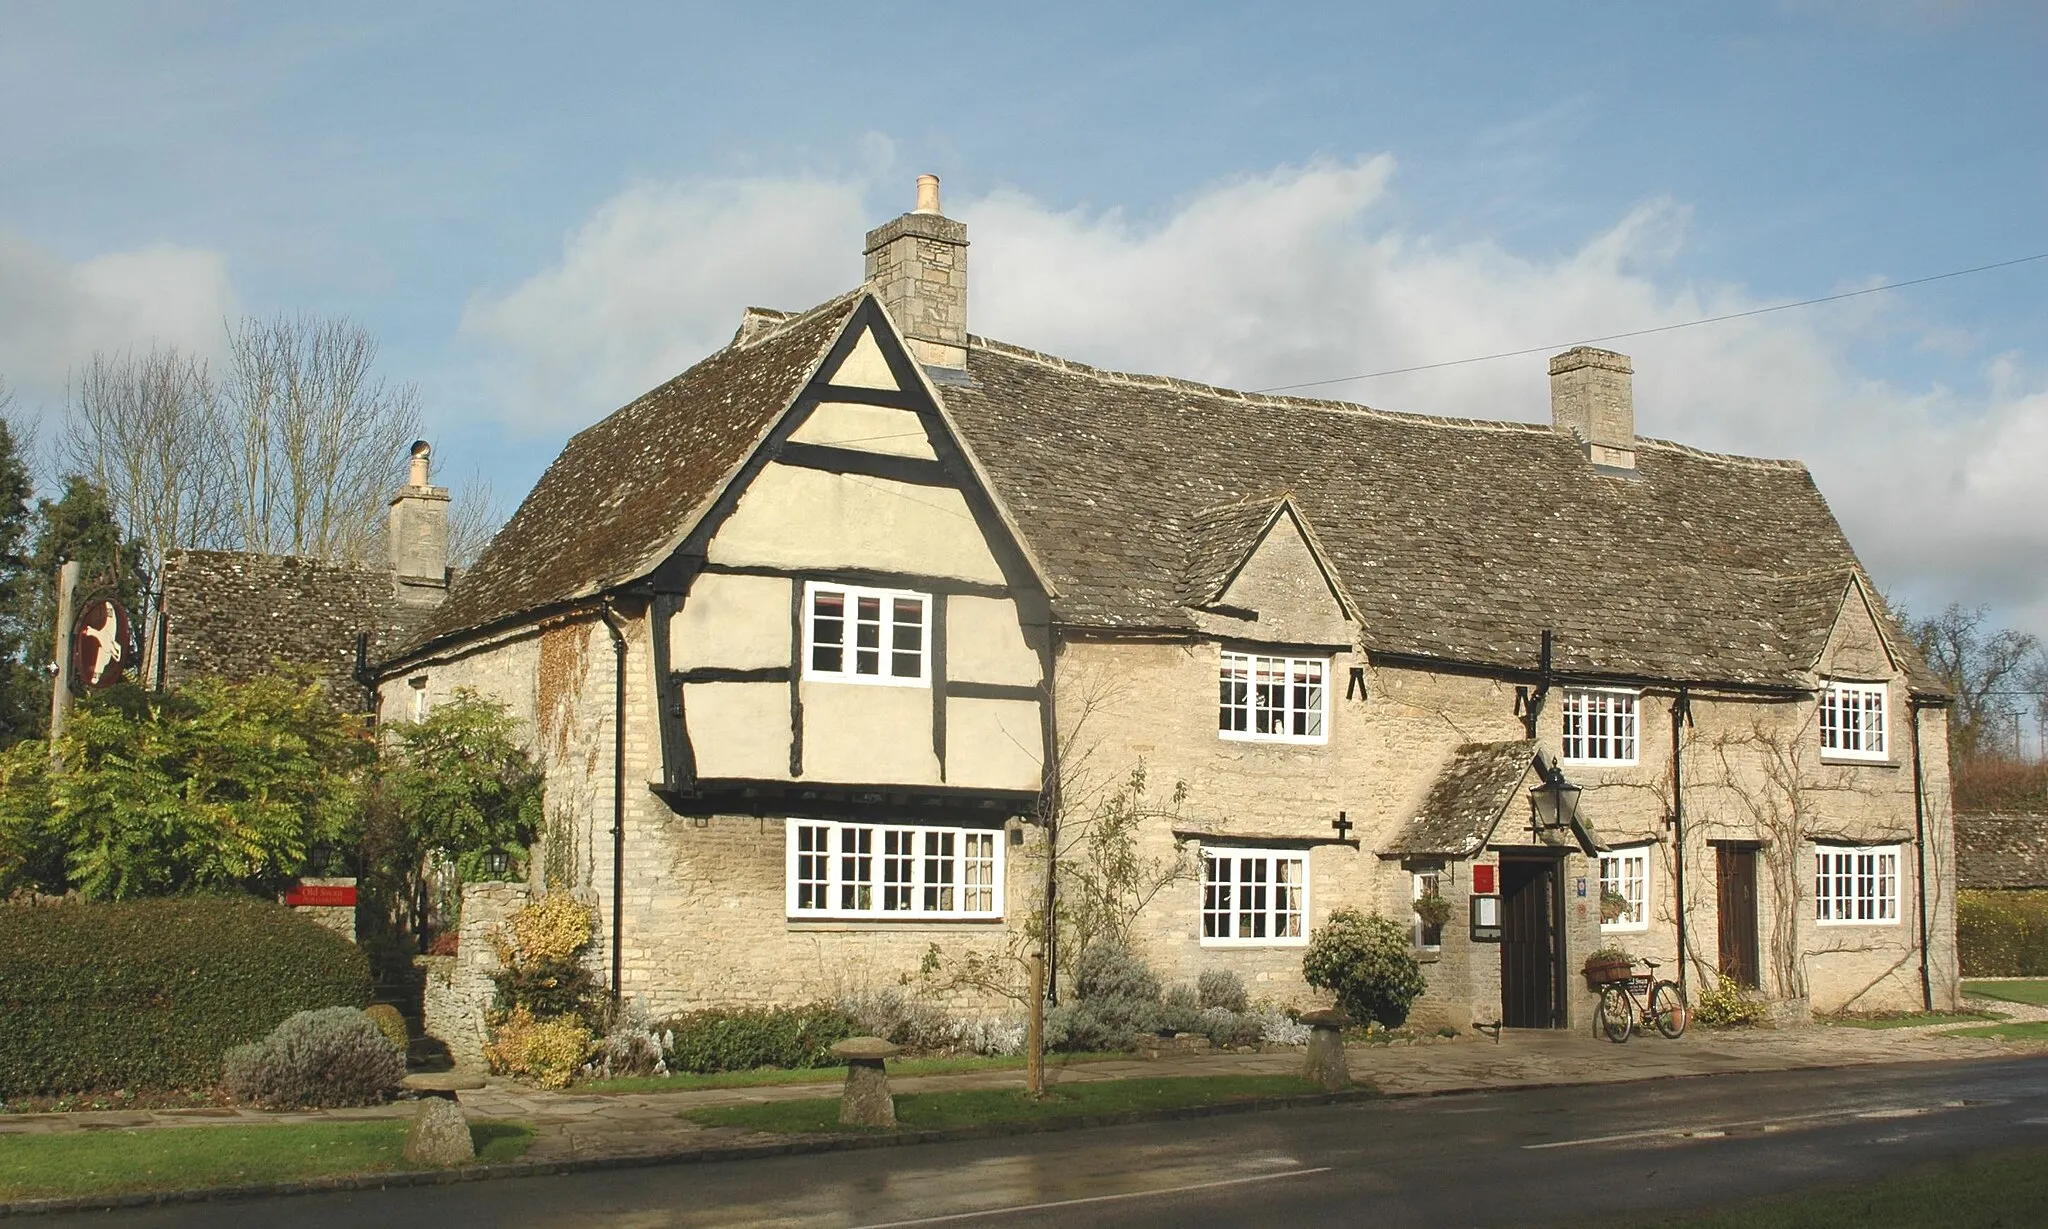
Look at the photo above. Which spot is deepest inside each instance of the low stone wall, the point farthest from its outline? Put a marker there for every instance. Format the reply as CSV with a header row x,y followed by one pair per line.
x,y
459,987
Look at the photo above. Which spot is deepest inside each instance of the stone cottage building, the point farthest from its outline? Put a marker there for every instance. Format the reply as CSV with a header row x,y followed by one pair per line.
x,y
813,638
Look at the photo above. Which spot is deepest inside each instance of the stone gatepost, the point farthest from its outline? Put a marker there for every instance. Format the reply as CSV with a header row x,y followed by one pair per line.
x,y
1325,1066
866,1102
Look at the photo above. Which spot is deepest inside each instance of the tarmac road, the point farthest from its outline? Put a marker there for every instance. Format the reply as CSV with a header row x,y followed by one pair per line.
x,y
1604,1154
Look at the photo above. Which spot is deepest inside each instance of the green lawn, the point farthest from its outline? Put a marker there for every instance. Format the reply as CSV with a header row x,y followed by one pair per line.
x,y
179,1158
919,1111
1915,1019
766,1076
2017,1030
2000,1193
2033,990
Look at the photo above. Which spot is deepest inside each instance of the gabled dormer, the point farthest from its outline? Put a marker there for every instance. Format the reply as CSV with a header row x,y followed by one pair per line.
x,y
1256,572
854,617
1859,677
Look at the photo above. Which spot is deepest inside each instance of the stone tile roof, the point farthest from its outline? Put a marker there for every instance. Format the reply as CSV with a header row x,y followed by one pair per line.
x,y
235,613
1465,801
2001,849
1453,539
622,491
1457,539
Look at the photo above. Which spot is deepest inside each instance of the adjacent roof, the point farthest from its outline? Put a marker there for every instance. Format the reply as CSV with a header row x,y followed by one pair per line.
x,y
2001,849
1456,539
1465,801
1452,539
615,501
237,613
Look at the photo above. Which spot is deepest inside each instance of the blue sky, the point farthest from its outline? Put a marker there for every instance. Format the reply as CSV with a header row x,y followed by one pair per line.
x,y
542,210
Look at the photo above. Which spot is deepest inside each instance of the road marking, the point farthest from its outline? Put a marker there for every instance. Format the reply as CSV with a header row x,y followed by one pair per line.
x,y
1721,1130
954,1217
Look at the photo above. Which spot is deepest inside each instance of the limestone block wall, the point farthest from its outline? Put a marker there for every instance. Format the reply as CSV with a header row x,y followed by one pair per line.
x,y
459,987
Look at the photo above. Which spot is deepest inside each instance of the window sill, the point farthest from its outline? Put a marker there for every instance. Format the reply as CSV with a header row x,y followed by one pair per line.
x,y
891,924
1598,764
1836,760
1640,929
1254,943
1877,922
1279,740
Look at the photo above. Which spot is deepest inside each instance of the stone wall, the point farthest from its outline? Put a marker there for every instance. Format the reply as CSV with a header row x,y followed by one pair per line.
x,y
459,988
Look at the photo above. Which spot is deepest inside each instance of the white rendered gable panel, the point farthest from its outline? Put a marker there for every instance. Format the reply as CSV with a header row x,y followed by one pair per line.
x,y
869,735
985,643
739,729
865,367
733,622
797,518
994,744
868,428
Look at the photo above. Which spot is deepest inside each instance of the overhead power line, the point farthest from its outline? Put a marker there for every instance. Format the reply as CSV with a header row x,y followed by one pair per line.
x,y
1662,328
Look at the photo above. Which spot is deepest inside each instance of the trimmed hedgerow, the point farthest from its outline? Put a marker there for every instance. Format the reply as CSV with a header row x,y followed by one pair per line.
x,y
2002,934
743,1038
147,994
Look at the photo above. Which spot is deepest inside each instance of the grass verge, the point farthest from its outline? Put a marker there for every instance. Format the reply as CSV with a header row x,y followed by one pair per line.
x,y
181,1158
976,1107
763,1077
1915,1019
1981,1194
2032,990
2015,1030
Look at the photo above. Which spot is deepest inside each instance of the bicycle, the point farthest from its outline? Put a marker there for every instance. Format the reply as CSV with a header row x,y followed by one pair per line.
x,y
1622,1006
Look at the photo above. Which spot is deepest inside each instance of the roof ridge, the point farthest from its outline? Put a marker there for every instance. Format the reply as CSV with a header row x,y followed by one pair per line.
x,y
1327,405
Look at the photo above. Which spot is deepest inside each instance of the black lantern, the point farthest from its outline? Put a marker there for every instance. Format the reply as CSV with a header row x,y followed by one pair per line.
x,y
321,859
498,863
1556,803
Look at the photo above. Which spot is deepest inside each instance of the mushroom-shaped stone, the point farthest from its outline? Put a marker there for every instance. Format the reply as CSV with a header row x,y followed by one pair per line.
x,y
1325,1066
443,1084
439,1134
866,1102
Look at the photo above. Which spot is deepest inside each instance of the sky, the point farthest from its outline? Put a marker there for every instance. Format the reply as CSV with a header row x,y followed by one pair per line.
x,y
543,210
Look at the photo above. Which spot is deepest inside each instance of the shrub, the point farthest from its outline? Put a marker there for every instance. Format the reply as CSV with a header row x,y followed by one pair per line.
x,y
390,1023
743,1038
146,994
2002,934
1116,1001
912,1022
631,1048
1227,1029
1727,1005
315,1060
1368,963
541,967
1180,1010
547,1053
1222,988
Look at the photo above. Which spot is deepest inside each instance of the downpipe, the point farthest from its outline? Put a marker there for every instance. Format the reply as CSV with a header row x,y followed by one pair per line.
x,y
1920,859
610,616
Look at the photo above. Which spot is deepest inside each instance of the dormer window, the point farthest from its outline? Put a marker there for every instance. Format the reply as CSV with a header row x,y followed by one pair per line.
x,y
860,635
1599,726
1852,720
1273,699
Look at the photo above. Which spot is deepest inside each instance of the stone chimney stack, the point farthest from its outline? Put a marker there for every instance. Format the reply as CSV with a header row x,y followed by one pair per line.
x,y
1592,398
418,535
917,267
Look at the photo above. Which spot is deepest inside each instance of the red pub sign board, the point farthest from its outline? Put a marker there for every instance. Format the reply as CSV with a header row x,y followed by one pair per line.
x,y
321,895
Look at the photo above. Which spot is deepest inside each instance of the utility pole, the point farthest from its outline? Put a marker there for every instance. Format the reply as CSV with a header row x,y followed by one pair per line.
x,y
60,663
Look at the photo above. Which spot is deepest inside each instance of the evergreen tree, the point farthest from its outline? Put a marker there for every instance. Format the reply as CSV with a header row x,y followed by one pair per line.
x,y
24,693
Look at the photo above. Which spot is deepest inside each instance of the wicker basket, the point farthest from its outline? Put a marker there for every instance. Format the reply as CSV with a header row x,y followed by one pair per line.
x,y
1608,970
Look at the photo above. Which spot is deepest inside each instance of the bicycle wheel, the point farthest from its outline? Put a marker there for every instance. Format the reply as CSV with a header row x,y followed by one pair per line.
x,y
1613,1015
1668,1010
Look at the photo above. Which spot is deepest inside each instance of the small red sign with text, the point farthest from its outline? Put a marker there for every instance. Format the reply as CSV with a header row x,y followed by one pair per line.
x,y
1482,880
321,894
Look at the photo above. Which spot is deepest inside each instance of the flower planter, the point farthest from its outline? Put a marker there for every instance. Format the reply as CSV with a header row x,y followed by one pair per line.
x,y
1606,972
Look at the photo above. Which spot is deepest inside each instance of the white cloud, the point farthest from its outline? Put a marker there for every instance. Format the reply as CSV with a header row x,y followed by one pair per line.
x,y
654,281
1290,276
55,313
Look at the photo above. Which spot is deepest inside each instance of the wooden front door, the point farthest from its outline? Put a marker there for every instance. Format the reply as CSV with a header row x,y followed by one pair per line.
x,y
1736,868
1530,951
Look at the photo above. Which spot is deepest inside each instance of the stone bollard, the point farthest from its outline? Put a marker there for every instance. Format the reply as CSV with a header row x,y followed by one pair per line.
x,y
866,1102
1325,1066
439,1134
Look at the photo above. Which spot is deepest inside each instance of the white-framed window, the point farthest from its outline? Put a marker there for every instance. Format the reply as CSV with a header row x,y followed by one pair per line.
x,y
858,635
1856,885
1625,887
1852,720
420,707
1427,883
1274,699
1599,726
1254,897
851,870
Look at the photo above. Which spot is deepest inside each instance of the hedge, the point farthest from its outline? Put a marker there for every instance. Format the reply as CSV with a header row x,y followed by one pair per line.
x,y
148,994
2002,934
743,1038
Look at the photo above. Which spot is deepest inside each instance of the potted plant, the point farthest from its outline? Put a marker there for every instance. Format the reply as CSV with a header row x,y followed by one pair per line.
x,y
1613,906
1434,910
1608,965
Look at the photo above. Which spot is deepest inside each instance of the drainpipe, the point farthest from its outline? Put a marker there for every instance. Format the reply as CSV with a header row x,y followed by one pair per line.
x,y
618,793
1920,858
1681,715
